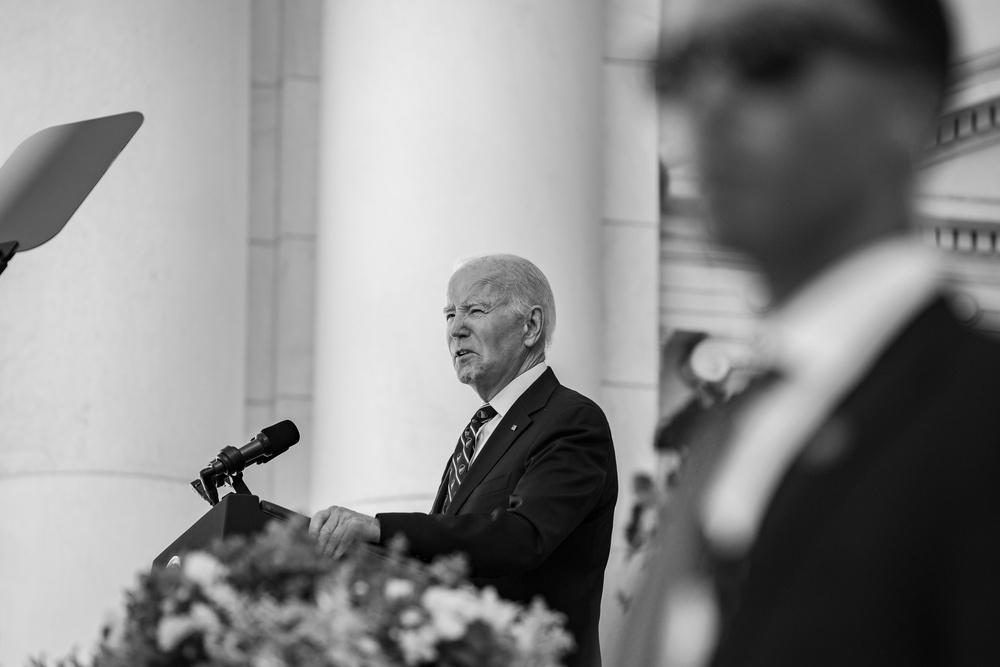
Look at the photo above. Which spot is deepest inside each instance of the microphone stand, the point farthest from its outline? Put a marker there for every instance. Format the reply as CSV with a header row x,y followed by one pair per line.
x,y
208,483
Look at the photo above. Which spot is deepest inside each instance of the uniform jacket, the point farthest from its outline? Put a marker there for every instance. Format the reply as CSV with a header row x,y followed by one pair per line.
x,y
881,546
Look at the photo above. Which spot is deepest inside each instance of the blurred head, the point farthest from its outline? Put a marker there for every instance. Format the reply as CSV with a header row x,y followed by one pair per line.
x,y
644,489
500,316
673,440
806,118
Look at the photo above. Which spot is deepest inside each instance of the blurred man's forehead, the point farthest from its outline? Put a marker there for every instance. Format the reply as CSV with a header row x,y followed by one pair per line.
x,y
680,16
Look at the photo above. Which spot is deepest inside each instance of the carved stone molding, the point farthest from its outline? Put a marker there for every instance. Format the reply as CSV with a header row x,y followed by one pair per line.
x,y
972,111
964,130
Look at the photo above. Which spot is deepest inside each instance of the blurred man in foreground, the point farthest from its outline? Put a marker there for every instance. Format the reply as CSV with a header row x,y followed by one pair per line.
x,y
845,510
530,490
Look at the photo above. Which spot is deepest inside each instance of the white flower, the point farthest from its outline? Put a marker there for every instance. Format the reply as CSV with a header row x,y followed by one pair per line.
x,y
204,618
419,646
410,618
496,611
267,659
539,633
368,645
172,630
202,568
398,588
449,610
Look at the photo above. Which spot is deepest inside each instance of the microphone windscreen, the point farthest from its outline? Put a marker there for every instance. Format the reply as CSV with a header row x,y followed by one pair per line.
x,y
281,436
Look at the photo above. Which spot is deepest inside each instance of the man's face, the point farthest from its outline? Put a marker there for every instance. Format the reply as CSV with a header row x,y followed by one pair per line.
x,y
485,337
791,106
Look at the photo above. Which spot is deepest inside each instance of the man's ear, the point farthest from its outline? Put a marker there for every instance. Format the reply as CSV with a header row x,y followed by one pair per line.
x,y
533,325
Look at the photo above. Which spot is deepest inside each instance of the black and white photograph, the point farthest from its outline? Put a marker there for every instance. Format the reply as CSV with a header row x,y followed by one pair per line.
x,y
499,333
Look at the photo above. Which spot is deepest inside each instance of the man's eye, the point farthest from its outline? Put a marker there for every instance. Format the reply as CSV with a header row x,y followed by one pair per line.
x,y
476,311
448,316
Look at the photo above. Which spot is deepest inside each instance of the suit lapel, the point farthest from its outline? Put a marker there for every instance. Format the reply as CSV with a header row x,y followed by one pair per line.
x,y
442,489
507,431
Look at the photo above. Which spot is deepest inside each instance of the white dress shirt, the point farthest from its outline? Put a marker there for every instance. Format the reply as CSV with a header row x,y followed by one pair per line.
x,y
821,343
503,401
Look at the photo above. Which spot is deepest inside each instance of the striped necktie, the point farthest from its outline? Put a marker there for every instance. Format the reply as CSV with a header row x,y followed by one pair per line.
x,y
461,460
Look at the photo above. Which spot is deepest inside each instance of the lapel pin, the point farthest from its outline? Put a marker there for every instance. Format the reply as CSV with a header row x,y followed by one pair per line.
x,y
513,427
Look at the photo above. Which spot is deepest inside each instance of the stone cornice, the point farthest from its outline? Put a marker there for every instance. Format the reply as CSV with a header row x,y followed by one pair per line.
x,y
974,80
964,130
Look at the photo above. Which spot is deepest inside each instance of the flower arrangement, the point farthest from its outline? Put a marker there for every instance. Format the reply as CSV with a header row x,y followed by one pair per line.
x,y
273,600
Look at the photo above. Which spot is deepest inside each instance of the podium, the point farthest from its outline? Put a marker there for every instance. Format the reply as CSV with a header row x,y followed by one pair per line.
x,y
235,514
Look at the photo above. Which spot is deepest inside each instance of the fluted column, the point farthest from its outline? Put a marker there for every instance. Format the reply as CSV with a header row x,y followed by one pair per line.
x,y
121,340
449,129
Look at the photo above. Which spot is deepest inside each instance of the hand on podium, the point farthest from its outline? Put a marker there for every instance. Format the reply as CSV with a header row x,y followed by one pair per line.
x,y
336,528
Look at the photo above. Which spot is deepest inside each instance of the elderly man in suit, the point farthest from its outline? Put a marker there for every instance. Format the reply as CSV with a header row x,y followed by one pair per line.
x,y
530,490
845,510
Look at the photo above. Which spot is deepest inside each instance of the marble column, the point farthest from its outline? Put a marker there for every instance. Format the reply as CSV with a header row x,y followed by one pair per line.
x,y
449,129
631,255
121,340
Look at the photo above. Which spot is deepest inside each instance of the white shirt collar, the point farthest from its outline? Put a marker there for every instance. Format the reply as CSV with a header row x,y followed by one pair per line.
x,y
504,400
842,318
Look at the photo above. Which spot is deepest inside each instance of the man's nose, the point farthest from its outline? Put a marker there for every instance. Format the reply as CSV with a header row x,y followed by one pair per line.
x,y
456,327
710,100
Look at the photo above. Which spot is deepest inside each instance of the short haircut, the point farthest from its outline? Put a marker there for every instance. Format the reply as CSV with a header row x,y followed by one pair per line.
x,y
924,26
523,283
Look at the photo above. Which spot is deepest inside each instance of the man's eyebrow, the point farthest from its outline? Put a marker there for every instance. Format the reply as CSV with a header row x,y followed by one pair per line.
x,y
486,305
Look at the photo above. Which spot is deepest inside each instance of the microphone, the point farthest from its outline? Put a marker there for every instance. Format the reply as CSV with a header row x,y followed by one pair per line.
x,y
270,442
230,462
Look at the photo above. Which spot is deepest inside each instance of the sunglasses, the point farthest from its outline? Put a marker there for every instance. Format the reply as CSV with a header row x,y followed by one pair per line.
x,y
768,52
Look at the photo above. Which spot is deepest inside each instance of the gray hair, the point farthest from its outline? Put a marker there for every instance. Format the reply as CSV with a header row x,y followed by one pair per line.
x,y
524,284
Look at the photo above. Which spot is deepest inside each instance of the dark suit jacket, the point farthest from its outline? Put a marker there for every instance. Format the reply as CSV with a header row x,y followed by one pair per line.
x,y
881,546
534,513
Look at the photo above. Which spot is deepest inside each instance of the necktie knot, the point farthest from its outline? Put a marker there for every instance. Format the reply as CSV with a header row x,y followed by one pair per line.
x,y
483,415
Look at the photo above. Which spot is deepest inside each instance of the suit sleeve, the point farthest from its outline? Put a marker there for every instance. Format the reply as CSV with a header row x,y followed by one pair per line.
x,y
567,470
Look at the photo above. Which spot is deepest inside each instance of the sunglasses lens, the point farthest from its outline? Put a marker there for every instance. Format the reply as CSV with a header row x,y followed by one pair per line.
x,y
760,55
770,62
759,58
768,52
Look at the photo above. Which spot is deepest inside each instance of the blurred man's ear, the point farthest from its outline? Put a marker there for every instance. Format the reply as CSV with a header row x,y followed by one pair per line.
x,y
913,112
533,324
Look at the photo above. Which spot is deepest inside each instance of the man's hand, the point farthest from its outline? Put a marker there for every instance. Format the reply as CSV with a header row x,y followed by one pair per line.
x,y
335,528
